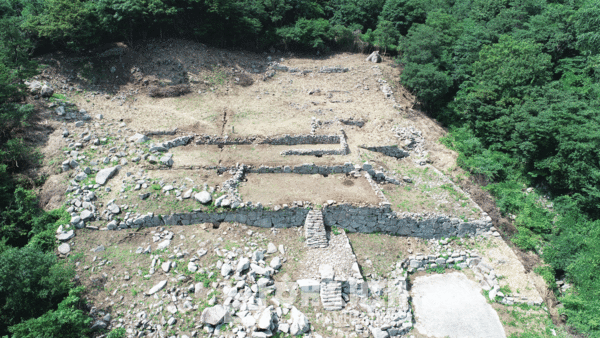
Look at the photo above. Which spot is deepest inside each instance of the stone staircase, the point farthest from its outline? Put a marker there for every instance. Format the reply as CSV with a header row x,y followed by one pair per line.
x,y
331,295
314,230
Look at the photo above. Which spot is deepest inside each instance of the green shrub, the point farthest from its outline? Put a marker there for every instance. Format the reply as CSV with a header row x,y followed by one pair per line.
x,y
67,321
117,333
32,283
307,33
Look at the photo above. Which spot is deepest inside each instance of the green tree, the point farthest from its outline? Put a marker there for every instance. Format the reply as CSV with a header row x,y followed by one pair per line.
x,y
67,321
32,283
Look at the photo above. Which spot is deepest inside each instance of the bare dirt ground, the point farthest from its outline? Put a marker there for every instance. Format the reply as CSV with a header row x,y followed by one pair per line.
x,y
115,82
287,188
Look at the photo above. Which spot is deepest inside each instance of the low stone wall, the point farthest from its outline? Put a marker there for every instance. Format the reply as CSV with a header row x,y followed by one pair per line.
x,y
284,218
484,273
336,69
306,169
273,140
383,219
161,132
314,152
352,218
378,192
392,151
344,149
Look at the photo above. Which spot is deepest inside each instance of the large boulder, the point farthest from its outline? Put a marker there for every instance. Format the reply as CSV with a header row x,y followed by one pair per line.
x,y
226,269
203,197
105,174
34,87
213,315
374,57
379,333
47,91
65,236
64,248
138,138
266,319
243,265
300,323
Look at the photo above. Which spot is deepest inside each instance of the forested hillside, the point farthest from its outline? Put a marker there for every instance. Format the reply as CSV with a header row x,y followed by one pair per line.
x,y
517,83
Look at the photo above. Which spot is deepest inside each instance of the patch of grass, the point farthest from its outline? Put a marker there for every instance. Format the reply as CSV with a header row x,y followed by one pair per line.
x,y
76,257
58,97
117,333
505,290
205,279
438,269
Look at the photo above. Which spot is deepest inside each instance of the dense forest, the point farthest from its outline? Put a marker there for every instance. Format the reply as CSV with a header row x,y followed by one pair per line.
x,y
517,83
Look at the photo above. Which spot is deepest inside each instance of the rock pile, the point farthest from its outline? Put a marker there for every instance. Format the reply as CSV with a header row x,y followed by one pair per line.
x,y
412,140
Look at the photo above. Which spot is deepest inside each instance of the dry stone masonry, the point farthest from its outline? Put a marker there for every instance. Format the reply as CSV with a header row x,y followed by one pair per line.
x,y
344,149
272,140
392,151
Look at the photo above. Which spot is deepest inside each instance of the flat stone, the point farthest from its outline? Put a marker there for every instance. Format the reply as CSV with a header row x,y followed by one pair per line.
x,y
86,215
99,248
138,138
163,245
248,321
309,285
379,333
326,271
157,287
64,248
105,174
113,208
65,236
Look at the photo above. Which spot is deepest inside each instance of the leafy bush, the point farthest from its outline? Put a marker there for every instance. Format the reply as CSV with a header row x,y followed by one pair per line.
x,y
117,333
32,283
307,33
67,321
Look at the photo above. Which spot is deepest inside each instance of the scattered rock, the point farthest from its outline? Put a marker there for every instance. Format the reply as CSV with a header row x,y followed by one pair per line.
x,y
213,315
203,197
64,248
65,236
105,174
157,287
271,248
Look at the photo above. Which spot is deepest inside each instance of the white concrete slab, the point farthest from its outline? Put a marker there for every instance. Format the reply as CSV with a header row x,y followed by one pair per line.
x,y
451,305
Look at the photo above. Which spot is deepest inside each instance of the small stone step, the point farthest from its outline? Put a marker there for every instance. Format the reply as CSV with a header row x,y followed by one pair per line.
x,y
331,295
314,230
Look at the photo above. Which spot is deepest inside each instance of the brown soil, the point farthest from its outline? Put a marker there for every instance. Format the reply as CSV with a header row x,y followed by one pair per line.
x,y
287,188
378,253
